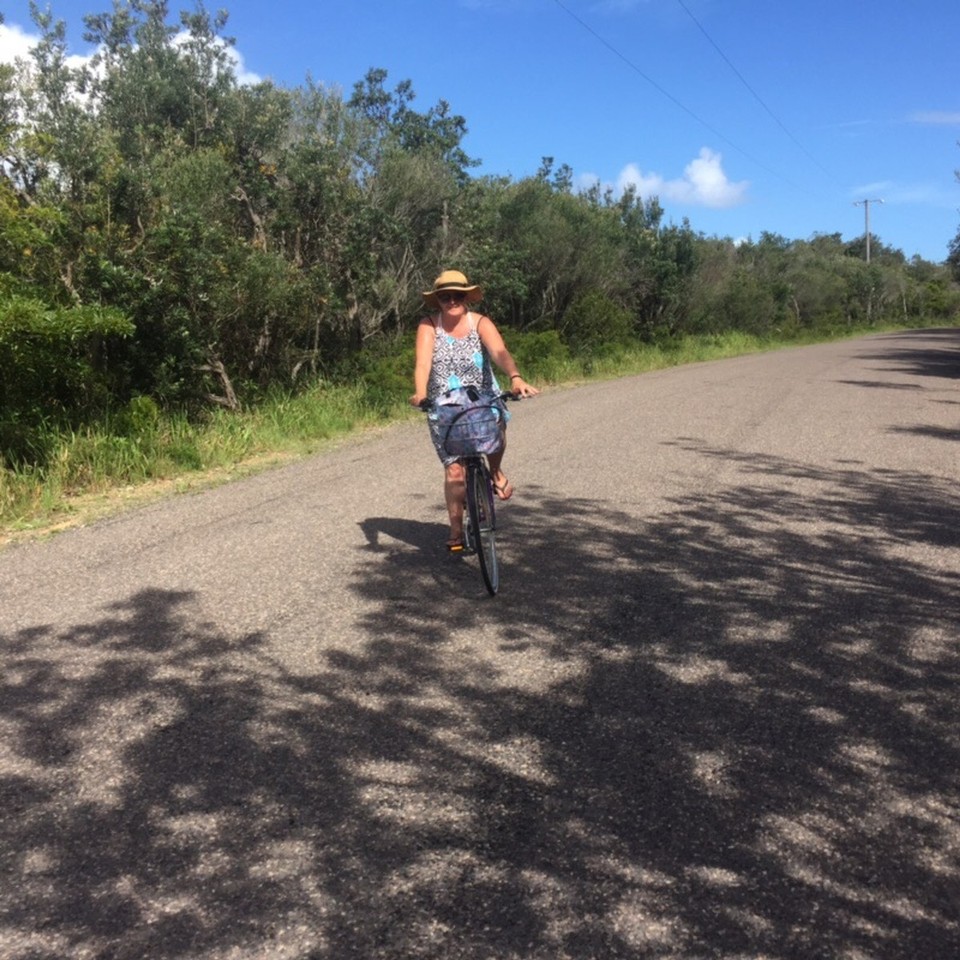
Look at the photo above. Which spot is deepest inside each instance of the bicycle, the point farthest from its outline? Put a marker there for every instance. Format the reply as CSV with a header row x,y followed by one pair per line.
x,y
470,434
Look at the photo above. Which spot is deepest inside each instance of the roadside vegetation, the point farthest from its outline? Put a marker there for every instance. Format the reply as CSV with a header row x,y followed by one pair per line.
x,y
142,452
197,275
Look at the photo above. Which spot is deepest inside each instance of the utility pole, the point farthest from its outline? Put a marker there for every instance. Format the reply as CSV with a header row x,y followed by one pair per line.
x,y
866,219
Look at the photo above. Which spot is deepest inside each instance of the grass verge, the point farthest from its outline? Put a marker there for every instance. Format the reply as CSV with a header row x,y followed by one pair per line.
x,y
141,454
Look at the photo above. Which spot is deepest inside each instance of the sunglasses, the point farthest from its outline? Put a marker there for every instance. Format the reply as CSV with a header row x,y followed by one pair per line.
x,y
451,297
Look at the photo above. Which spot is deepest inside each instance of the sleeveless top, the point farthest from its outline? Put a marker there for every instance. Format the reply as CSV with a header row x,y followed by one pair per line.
x,y
459,362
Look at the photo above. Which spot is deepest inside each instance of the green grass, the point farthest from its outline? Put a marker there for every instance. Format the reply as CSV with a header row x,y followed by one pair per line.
x,y
141,447
138,449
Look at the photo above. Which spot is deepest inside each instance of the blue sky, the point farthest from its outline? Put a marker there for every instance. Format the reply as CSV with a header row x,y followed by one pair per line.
x,y
743,116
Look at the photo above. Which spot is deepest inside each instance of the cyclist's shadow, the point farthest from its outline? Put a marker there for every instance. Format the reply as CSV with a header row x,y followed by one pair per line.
x,y
415,533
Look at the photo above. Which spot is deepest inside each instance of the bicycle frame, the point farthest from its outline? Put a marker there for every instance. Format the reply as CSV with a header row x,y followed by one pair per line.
x,y
480,511
480,522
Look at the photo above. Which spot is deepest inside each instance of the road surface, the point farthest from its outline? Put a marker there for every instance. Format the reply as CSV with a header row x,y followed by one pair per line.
x,y
713,712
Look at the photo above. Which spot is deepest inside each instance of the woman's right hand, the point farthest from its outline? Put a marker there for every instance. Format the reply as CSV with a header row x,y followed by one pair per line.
x,y
416,399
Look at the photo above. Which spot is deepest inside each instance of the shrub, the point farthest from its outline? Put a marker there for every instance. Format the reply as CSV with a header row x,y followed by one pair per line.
x,y
594,325
51,369
540,355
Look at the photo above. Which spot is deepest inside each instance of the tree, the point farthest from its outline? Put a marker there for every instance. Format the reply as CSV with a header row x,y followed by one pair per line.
x,y
392,122
257,236
953,257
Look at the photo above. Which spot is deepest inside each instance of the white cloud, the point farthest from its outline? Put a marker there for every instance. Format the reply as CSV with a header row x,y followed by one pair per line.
x,y
14,43
704,183
244,77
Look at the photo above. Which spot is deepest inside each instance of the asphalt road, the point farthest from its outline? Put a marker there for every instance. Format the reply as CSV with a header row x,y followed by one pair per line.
x,y
712,713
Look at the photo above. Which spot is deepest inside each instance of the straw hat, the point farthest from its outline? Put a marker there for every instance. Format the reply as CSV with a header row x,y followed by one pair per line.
x,y
452,280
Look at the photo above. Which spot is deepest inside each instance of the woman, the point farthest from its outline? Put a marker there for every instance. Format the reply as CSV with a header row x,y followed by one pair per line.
x,y
454,349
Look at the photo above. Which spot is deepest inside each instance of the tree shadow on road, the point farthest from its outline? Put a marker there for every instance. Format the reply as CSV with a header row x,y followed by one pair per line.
x,y
942,360
934,432
727,730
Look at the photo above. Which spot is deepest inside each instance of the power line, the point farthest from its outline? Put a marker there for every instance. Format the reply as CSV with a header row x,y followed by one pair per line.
x,y
672,98
753,92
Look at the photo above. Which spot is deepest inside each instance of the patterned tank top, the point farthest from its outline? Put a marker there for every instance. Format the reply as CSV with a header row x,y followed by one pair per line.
x,y
459,362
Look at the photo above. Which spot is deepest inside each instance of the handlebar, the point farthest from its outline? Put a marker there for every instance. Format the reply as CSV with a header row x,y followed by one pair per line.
x,y
426,405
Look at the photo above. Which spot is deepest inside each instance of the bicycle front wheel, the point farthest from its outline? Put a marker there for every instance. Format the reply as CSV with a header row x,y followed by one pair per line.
x,y
483,519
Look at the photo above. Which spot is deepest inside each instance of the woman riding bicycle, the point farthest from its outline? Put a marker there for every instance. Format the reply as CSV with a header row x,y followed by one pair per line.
x,y
454,349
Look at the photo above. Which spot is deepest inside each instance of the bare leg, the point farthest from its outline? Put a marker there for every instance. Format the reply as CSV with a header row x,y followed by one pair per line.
x,y
502,486
454,492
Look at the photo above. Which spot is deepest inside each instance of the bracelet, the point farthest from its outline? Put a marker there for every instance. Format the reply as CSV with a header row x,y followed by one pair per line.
x,y
516,376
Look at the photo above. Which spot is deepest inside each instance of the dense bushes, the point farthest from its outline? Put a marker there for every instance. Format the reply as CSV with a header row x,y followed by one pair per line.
x,y
166,233
55,366
594,324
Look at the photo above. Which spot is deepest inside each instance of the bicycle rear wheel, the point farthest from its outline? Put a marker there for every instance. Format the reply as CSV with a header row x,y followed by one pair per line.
x,y
483,520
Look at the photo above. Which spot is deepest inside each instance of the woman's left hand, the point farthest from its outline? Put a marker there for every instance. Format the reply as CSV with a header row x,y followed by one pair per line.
x,y
521,388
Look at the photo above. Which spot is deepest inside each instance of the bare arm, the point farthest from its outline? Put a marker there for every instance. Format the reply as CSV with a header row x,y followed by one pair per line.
x,y
424,361
491,339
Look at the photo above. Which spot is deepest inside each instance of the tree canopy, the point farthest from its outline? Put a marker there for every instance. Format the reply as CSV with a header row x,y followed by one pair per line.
x,y
166,231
